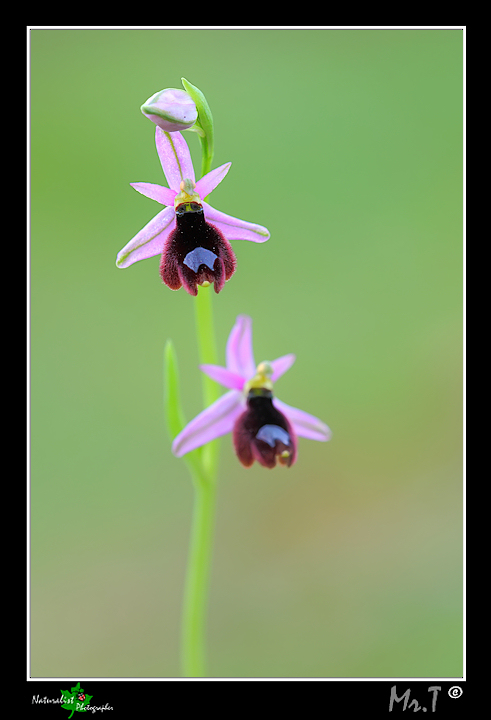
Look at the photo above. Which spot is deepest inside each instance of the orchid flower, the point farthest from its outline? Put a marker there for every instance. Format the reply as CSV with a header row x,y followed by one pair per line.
x,y
264,428
192,236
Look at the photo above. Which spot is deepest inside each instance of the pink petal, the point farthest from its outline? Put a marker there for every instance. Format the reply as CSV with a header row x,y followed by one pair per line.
x,y
216,420
233,228
281,365
224,377
303,423
209,181
174,156
156,192
149,241
236,233
239,354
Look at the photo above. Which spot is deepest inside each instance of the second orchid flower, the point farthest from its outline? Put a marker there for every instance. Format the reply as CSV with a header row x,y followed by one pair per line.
x,y
263,428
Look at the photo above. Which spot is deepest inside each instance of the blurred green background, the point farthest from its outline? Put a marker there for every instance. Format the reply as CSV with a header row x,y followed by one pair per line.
x,y
347,145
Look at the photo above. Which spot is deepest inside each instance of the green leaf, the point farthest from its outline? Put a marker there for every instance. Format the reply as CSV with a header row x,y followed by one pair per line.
x,y
71,701
173,410
172,402
205,122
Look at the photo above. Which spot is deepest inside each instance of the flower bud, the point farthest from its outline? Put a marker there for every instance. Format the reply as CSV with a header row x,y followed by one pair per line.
x,y
170,109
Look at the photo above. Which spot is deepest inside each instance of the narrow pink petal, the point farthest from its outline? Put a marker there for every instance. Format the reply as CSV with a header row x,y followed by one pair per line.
x,y
224,377
239,354
174,156
233,228
281,365
209,181
156,192
149,241
236,233
216,420
304,424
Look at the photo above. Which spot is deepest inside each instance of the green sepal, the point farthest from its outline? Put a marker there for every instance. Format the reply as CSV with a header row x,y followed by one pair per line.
x,y
204,122
197,129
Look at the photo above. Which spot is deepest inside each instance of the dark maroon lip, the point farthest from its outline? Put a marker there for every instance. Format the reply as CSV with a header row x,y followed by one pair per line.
x,y
196,252
263,433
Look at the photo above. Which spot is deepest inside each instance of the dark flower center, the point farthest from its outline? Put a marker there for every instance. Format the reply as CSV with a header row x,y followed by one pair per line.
x,y
263,433
196,252
197,239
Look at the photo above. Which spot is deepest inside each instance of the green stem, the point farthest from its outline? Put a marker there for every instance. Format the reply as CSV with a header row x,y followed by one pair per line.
x,y
207,356
205,482
197,579
204,471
